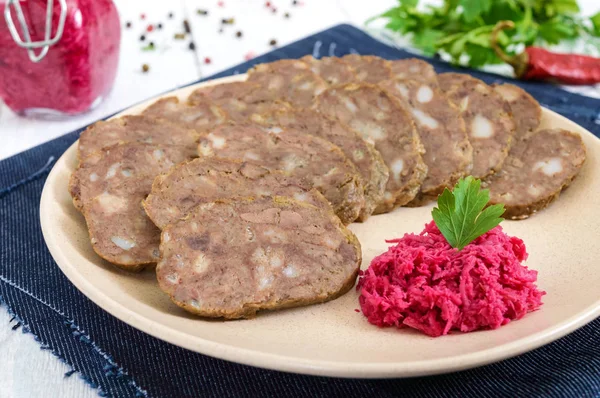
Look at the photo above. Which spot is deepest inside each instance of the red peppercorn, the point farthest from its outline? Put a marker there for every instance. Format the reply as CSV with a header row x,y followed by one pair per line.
x,y
249,56
143,16
149,28
268,4
207,60
274,10
221,4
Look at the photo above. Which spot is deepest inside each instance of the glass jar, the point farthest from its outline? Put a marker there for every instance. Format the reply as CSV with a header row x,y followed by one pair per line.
x,y
57,57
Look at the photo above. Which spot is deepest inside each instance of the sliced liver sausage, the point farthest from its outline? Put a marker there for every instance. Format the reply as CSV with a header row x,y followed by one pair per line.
x,y
534,176
108,188
380,119
143,129
331,69
204,180
241,100
448,153
296,154
231,259
368,68
288,80
201,117
366,158
487,117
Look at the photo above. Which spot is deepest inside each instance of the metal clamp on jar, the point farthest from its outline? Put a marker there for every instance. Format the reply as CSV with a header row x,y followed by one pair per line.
x,y
57,57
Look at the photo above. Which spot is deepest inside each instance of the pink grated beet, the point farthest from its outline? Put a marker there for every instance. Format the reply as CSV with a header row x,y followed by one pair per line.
x,y
424,283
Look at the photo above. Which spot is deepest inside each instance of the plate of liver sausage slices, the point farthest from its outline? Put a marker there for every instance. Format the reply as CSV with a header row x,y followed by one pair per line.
x,y
233,217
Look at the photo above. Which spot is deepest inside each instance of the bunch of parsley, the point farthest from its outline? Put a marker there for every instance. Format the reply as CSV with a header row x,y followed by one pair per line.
x,y
464,27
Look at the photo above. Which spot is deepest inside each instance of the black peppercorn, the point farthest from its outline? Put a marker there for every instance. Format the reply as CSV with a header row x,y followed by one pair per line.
x,y
142,38
192,46
238,33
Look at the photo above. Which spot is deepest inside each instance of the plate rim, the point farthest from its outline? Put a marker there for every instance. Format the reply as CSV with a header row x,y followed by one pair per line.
x,y
285,363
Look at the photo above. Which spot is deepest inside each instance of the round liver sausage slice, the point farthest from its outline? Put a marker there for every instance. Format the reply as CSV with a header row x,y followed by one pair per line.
x,y
526,111
331,69
108,188
289,80
240,100
369,68
366,158
135,129
380,119
534,176
487,118
231,259
413,69
204,180
448,153
201,117
296,154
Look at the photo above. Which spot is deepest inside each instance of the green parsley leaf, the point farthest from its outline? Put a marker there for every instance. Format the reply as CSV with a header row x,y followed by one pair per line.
x,y
467,26
474,8
409,3
426,40
595,19
460,214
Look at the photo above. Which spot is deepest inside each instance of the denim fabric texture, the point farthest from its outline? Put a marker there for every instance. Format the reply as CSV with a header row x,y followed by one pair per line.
x,y
121,361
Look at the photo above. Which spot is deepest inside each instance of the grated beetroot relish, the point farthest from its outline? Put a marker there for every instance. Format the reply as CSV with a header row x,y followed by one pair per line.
x,y
424,283
77,71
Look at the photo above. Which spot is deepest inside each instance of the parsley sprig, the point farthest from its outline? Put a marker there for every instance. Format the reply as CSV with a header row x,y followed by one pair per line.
x,y
462,28
460,214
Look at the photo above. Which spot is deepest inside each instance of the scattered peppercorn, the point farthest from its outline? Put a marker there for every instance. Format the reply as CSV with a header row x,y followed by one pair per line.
x,y
128,25
143,16
274,10
159,26
142,38
207,60
221,4
192,46
151,44
221,30
149,28
170,15
249,56
145,68
186,26
286,15
273,42
238,33
179,36
201,12
268,4
227,21
294,3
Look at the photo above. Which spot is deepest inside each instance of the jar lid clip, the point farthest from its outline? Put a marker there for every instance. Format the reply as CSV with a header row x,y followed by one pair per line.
x,y
27,43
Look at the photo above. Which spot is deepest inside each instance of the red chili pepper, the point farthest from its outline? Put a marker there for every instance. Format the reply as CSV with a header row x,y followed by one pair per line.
x,y
536,63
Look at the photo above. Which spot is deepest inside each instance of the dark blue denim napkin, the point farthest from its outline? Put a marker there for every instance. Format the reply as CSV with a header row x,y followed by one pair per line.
x,y
122,361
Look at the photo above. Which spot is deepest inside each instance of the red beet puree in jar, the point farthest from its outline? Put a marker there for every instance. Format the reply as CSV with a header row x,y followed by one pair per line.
x,y
78,69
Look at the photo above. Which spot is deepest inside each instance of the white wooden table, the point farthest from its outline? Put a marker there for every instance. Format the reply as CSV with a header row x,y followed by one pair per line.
x,y
27,371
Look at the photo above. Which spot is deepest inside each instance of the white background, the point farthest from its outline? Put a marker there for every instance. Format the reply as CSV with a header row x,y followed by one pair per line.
x,y
27,371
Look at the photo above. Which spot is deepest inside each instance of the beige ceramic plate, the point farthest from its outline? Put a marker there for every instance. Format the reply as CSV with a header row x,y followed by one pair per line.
x,y
332,339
